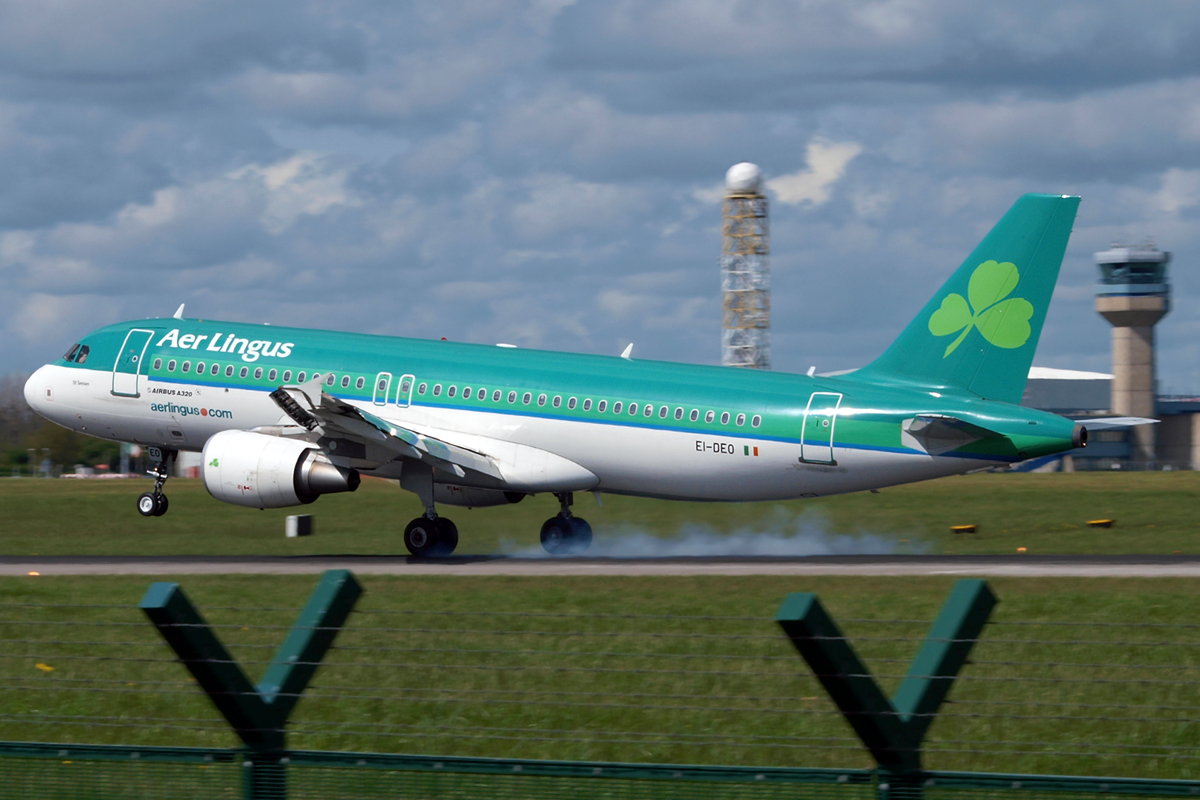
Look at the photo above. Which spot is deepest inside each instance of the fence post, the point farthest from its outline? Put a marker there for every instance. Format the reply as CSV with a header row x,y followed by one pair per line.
x,y
257,713
892,730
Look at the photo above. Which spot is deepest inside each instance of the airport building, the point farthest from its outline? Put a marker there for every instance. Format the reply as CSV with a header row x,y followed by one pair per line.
x,y
1133,295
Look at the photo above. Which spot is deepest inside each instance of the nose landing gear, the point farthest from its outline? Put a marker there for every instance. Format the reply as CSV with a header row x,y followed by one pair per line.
x,y
154,504
566,534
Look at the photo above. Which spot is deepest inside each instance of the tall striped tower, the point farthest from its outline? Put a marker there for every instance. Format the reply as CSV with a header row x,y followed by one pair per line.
x,y
745,271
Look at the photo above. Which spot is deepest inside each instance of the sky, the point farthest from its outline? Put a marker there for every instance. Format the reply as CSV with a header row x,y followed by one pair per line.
x,y
549,173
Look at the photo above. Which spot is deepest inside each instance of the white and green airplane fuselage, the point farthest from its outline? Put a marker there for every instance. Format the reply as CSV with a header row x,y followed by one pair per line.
x,y
285,414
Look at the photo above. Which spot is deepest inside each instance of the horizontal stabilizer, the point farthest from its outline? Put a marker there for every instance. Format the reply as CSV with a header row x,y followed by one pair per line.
x,y
1101,423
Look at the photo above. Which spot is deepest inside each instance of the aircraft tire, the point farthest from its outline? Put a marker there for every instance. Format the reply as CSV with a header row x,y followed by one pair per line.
x,y
556,534
421,536
161,505
147,505
580,539
447,538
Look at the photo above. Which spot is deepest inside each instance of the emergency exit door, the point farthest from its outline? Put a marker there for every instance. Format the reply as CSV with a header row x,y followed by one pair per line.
x,y
816,438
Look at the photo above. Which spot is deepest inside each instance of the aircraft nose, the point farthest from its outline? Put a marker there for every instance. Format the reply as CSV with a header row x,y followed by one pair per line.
x,y
38,390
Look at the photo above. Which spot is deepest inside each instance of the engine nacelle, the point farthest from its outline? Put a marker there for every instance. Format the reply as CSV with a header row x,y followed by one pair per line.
x,y
451,495
250,469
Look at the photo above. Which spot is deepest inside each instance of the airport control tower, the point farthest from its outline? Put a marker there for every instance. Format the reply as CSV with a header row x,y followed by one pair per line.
x,y
745,271
1133,295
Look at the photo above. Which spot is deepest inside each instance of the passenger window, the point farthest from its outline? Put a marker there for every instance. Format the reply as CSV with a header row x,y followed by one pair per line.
x,y
360,383
603,404
741,420
679,412
272,375
649,412
243,372
708,416
466,393
633,409
158,363
171,365
187,365
83,354
662,413
451,391
756,421
287,376
496,396
70,356
258,373
200,367
695,415
214,369
437,389
300,377
228,371
421,389
587,404
512,397
329,381
345,381
724,417
617,407
541,399
525,398
557,401
571,404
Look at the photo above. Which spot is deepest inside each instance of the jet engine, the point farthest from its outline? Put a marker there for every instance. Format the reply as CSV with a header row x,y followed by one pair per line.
x,y
471,497
250,469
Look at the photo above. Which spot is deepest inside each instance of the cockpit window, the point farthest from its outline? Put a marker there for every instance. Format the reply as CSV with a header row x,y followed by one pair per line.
x,y
83,354
70,356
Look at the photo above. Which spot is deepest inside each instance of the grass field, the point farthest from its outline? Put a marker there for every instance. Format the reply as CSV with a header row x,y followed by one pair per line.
x,y
1155,512
677,670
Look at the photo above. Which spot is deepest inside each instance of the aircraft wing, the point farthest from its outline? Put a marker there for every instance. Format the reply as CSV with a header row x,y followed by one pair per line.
x,y
310,407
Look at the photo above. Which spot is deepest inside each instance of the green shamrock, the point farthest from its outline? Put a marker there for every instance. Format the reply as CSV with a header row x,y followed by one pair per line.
x,y
1004,324
213,463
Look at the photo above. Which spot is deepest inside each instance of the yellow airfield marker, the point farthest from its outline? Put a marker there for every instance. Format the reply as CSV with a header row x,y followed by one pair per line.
x,y
1101,523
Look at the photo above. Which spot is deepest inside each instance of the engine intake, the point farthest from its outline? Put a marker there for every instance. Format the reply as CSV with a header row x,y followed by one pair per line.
x,y
251,469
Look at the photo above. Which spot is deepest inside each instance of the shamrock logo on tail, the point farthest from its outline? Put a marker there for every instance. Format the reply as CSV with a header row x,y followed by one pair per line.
x,y
1004,323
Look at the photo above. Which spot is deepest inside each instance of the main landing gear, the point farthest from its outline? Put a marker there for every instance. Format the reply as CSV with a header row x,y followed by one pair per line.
x,y
431,535
565,533
154,504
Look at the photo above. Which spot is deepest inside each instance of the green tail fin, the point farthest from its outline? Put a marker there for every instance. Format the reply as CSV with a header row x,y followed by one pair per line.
x,y
979,332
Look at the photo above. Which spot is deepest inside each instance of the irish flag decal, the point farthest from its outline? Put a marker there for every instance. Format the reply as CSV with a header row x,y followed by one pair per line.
x,y
747,448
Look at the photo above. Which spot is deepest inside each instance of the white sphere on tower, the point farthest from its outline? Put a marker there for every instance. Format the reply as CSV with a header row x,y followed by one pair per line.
x,y
743,178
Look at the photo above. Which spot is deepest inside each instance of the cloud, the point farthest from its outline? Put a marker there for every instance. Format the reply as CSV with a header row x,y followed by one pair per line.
x,y
827,162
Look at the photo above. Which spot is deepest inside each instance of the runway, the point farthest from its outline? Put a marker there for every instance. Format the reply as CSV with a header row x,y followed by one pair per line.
x,y
1081,566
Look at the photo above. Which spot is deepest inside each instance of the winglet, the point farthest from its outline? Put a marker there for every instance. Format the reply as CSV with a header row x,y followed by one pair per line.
x,y
179,311
628,350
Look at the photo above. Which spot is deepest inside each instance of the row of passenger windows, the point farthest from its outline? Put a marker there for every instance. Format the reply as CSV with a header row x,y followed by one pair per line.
x,y
602,406
244,372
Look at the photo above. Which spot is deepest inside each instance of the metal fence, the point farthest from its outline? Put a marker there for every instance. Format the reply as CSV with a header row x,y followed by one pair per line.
x,y
93,702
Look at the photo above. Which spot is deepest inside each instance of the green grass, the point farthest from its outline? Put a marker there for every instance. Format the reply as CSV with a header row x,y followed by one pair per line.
x,y
1156,512
569,668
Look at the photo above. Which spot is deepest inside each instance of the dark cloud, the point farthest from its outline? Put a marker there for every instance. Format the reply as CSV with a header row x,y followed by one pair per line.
x,y
549,174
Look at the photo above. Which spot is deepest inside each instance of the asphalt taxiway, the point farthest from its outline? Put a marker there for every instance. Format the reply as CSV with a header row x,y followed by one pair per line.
x,y
1089,566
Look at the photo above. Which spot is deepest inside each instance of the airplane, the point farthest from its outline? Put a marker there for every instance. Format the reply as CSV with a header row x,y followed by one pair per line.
x,y
284,415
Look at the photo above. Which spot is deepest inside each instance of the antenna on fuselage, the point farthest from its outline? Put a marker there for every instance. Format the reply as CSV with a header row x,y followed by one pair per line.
x,y
179,311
